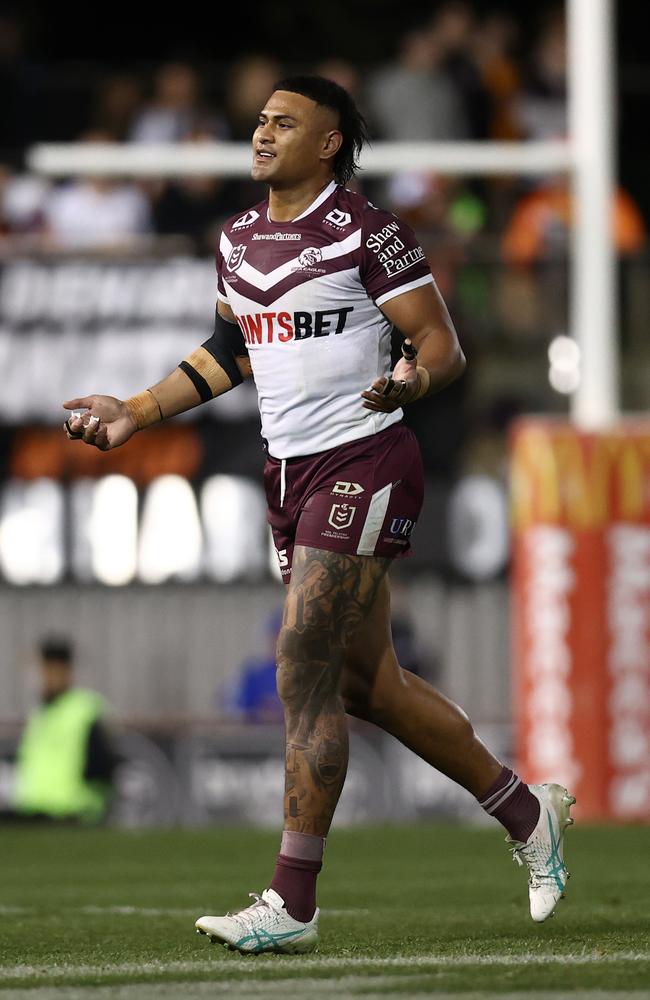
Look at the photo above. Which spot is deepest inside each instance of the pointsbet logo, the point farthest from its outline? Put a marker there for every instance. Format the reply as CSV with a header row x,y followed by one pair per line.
x,y
282,327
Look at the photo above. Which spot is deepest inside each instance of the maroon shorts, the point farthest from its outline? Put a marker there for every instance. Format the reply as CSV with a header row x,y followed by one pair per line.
x,y
362,498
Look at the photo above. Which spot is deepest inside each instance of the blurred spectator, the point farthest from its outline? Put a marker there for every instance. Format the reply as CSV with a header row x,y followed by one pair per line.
x,y
250,83
494,42
177,108
540,222
344,73
454,27
21,111
542,106
117,102
65,760
23,199
96,212
253,697
193,206
413,99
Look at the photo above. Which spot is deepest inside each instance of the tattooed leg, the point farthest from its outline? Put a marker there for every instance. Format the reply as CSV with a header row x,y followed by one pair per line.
x,y
329,599
376,689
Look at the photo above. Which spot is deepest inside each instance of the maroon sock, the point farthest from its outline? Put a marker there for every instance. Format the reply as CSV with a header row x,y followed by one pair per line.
x,y
511,802
295,880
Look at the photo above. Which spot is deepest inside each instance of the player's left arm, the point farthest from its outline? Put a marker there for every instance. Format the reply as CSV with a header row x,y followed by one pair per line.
x,y
422,317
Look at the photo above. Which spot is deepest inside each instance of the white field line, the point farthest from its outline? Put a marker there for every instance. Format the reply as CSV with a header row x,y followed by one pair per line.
x,y
319,989
153,911
296,964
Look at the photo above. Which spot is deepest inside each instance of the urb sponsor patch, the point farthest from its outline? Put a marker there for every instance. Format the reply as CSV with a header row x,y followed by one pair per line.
x,y
402,526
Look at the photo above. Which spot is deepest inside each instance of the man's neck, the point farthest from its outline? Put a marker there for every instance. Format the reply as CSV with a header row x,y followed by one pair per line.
x,y
286,204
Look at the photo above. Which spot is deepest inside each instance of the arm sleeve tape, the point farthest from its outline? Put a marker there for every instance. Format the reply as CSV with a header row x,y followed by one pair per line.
x,y
225,344
212,368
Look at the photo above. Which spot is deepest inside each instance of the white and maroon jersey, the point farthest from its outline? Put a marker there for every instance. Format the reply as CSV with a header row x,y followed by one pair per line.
x,y
307,295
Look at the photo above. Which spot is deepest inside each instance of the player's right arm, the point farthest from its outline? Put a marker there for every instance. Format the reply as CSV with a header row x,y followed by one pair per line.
x,y
217,366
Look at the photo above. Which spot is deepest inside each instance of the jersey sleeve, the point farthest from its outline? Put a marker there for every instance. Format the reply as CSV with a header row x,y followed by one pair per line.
x,y
392,260
222,288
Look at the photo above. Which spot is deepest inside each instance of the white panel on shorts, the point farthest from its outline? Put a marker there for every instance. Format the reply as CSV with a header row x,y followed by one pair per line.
x,y
374,520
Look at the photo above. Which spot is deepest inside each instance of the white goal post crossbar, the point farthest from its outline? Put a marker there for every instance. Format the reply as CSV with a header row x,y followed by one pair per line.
x,y
588,159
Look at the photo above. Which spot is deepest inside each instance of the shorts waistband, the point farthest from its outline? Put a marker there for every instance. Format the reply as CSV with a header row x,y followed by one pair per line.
x,y
336,447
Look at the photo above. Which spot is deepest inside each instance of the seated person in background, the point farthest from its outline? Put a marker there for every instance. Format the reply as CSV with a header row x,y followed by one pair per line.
x,y
65,761
253,695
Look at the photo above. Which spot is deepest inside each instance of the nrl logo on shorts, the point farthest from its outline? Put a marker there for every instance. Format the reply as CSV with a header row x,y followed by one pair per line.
x,y
236,257
246,220
310,256
341,515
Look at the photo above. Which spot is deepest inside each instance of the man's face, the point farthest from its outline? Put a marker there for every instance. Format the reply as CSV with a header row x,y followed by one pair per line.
x,y
56,676
293,139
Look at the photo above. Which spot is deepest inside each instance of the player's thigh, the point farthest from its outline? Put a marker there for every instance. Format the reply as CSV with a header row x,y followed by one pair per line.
x,y
371,669
330,597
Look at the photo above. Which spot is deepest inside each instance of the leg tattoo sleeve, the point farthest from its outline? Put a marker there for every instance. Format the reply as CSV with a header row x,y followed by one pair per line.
x,y
329,597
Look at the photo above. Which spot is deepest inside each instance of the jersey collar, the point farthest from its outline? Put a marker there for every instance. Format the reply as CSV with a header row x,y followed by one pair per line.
x,y
323,196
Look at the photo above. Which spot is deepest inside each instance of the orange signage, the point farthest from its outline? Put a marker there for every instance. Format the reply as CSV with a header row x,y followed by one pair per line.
x,y
581,611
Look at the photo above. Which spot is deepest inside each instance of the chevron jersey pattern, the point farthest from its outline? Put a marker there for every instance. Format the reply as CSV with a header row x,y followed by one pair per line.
x,y
307,295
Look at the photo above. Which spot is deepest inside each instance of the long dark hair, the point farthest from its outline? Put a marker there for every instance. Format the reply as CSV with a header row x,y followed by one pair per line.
x,y
352,124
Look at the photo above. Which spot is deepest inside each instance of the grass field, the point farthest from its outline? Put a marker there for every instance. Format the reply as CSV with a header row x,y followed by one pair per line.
x,y
406,912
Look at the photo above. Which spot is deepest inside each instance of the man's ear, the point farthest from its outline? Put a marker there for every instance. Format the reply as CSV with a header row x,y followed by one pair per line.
x,y
332,144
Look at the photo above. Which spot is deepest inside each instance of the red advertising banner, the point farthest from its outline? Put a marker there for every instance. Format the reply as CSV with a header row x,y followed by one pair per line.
x,y
581,612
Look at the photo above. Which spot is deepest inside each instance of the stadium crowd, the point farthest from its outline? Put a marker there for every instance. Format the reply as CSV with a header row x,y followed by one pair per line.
x,y
456,75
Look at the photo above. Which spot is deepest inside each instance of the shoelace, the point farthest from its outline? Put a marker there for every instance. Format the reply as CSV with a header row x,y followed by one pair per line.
x,y
247,915
536,878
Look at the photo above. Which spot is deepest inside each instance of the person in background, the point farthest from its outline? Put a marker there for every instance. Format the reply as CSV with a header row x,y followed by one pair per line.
x,y
65,760
97,213
176,109
413,99
117,102
254,697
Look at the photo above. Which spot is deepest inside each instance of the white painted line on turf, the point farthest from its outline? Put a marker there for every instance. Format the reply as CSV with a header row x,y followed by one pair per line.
x,y
318,988
155,911
298,964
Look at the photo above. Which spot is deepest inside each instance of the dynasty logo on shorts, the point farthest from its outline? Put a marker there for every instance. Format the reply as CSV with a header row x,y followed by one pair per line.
x,y
349,489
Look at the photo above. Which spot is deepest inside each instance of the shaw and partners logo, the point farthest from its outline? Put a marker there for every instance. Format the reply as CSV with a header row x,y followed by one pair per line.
x,y
278,237
246,220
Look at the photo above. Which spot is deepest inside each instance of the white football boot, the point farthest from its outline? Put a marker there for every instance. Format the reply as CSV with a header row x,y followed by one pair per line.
x,y
542,853
265,925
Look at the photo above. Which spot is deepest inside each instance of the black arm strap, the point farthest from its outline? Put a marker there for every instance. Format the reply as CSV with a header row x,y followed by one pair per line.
x,y
226,344
199,383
